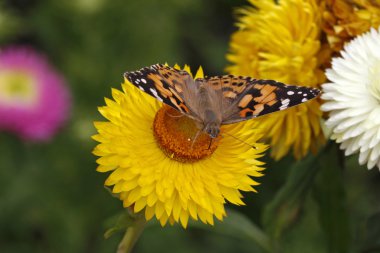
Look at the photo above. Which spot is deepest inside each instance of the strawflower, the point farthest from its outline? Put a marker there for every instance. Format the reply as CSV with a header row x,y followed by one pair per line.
x,y
280,41
345,19
353,98
34,100
158,169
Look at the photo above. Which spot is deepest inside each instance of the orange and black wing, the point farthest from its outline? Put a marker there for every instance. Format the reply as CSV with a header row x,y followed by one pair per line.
x,y
246,98
162,82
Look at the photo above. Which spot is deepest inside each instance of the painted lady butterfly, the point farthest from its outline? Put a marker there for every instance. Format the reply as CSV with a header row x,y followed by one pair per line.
x,y
218,100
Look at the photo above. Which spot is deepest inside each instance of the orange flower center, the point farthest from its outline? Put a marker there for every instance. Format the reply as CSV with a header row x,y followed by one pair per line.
x,y
179,137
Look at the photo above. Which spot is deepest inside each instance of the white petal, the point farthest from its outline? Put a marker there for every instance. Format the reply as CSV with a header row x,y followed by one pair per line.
x,y
349,122
375,154
363,157
371,164
366,137
374,141
352,147
352,100
354,132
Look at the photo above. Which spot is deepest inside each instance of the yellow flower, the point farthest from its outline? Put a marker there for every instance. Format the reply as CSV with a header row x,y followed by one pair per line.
x,y
346,19
280,41
158,168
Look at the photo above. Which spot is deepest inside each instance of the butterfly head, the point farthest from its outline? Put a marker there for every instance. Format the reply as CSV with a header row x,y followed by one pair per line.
x,y
212,129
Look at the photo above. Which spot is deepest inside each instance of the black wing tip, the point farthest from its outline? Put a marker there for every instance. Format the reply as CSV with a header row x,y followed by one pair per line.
x,y
308,93
153,67
314,92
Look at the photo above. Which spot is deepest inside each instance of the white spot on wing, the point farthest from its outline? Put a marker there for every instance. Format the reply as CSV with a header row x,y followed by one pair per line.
x,y
304,100
141,88
290,92
284,104
143,80
155,94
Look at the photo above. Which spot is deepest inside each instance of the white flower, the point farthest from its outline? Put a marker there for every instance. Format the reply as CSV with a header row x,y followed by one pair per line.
x,y
353,98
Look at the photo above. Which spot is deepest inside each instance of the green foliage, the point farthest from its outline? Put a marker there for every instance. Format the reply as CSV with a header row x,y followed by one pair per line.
x,y
120,222
284,210
9,24
239,226
371,242
330,196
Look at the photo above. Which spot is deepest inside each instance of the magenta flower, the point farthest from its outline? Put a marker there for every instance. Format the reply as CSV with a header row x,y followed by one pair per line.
x,y
34,101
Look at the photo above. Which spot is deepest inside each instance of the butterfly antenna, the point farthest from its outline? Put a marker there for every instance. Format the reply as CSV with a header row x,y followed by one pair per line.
x,y
252,146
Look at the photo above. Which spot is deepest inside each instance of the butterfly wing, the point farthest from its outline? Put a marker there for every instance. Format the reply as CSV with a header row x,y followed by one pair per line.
x,y
164,83
246,98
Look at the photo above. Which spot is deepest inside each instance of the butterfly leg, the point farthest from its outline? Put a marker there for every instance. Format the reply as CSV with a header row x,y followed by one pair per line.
x,y
209,145
195,138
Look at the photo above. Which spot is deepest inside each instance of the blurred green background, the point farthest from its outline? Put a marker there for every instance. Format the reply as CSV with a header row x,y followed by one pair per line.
x,y
53,200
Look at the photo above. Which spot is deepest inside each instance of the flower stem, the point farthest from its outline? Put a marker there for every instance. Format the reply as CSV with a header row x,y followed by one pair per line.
x,y
131,235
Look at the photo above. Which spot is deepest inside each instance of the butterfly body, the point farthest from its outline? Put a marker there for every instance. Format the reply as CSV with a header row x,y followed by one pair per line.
x,y
209,110
215,101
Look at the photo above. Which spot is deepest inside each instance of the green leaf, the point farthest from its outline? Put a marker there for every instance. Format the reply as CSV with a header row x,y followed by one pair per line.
x,y
109,190
238,226
123,221
10,24
284,210
330,196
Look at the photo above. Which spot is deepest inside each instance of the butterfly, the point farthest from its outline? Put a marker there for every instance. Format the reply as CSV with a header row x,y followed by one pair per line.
x,y
218,100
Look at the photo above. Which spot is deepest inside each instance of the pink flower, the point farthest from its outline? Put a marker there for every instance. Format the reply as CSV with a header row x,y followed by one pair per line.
x,y
34,101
